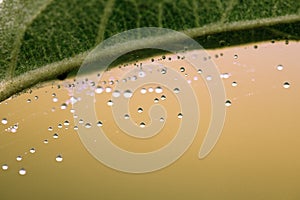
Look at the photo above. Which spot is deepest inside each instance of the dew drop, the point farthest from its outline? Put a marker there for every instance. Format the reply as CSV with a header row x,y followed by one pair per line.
x,y
50,128
59,158
55,99
4,167
140,110
99,90
182,69
142,74
55,135
45,141
143,91
28,100
180,115
108,89
127,94
63,106
75,128
99,124
110,103
116,93
59,126
142,125
80,121
235,56
87,125
66,123
19,158
32,150
156,100
279,67
163,97
22,172
209,78
286,85
150,89
228,103
163,71
176,90
126,116
234,84
161,119
199,71
158,90
225,75
4,121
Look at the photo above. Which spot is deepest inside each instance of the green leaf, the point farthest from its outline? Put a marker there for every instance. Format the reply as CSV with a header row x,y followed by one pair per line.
x,y
45,39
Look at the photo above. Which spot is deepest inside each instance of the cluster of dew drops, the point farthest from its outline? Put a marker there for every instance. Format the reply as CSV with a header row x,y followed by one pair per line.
x,y
108,89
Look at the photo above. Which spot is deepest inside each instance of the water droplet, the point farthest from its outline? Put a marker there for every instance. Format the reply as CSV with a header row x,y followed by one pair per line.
x,y
143,91
108,89
45,141
176,90
279,67
142,125
72,110
87,125
59,158
127,94
50,128
225,75
75,128
163,97
150,89
234,84
199,71
4,121
158,90
36,97
180,115
235,56
126,116
286,85
140,110
19,158
142,74
55,99
28,100
228,103
66,123
110,103
4,167
116,93
55,135
63,106
32,150
156,100
182,69
209,78
99,124
22,172
161,119
99,90
80,121
59,126
163,71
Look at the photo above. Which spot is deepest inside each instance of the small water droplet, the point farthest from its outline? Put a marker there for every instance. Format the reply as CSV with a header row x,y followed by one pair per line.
x,y
45,141
19,158
4,167
63,106
176,90
235,56
116,93
163,71
143,91
180,115
110,103
158,90
59,158
50,128
279,67
199,71
225,75
182,69
55,99
28,100
32,150
163,97
4,121
161,119
140,110
55,135
142,125
87,125
209,78
66,123
108,89
234,83
228,103
80,121
99,90
286,85
22,172
59,126
75,128
150,89
126,116
156,100
142,74
99,124
127,94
